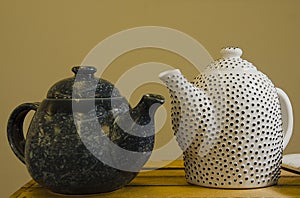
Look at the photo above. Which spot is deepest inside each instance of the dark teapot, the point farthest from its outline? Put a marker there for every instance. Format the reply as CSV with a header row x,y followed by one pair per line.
x,y
84,137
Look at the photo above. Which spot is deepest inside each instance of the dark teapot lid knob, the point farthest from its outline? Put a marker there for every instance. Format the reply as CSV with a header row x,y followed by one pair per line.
x,y
84,70
83,85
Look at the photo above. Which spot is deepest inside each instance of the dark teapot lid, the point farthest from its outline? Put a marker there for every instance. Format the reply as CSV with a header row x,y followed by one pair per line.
x,y
83,85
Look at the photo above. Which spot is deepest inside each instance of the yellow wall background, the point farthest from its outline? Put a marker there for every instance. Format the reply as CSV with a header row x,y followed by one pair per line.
x,y
41,40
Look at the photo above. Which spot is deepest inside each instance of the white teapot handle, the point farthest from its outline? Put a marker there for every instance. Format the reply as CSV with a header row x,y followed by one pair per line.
x,y
287,116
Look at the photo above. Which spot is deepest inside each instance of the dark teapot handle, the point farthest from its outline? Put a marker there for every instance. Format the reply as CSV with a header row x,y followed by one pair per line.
x,y
15,133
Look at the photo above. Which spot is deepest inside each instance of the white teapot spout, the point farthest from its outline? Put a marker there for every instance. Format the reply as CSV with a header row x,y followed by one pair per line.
x,y
180,87
188,106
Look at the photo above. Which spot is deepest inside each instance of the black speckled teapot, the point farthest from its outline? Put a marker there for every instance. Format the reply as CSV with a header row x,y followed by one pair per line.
x,y
84,137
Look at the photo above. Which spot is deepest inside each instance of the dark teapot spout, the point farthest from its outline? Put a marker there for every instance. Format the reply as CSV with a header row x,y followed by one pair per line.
x,y
135,130
143,112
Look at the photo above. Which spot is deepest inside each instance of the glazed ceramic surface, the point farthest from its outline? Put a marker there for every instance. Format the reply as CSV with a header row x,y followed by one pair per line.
x,y
229,123
71,143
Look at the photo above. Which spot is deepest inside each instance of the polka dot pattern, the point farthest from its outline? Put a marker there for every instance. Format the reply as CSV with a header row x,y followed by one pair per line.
x,y
230,129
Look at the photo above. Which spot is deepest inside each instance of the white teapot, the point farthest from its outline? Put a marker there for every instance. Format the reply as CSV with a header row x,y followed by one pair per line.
x,y
229,123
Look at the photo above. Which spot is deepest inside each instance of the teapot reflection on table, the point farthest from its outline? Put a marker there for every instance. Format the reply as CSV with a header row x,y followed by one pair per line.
x,y
84,137
229,123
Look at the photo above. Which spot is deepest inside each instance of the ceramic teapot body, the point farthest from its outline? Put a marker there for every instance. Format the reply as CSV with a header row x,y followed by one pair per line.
x,y
84,145
229,123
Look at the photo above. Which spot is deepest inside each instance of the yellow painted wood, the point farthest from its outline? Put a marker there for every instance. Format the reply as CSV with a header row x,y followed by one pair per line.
x,y
170,182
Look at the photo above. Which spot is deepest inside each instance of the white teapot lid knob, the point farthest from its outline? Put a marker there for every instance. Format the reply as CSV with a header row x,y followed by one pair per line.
x,y
231,52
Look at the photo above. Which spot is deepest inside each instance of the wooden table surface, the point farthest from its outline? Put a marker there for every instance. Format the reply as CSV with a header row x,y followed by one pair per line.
x,y
170,182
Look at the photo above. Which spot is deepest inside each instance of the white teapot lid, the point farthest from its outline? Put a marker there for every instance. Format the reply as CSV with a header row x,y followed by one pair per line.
x,y
231,59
